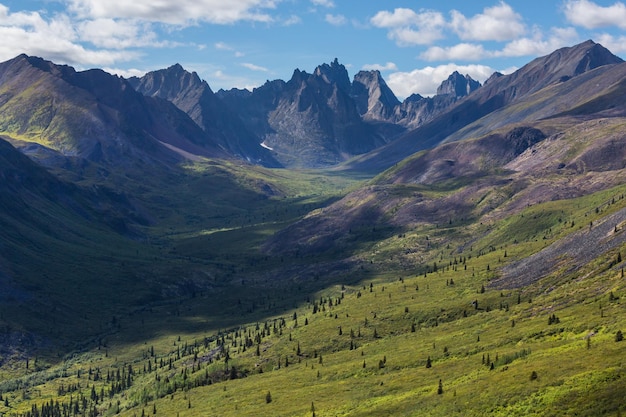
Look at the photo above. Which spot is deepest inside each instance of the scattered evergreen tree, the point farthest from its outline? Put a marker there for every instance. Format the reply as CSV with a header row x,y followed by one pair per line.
x,y
619,336
553,319
268,397
440,388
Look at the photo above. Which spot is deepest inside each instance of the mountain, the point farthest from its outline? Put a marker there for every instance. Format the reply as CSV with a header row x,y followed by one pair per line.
x,y
560,67
458,85
374,99
512,134
311,120
219,287
95,116
194,96
323,118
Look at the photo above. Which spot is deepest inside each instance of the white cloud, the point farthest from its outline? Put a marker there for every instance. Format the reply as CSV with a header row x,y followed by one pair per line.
x,y
614,44
424,81
253,67
591,15
118,34
219,79
537,45
55,39
292,20
460,52
336,20
497,23
180,12
407,28
389,66
222,46
323,3
398,18
126,73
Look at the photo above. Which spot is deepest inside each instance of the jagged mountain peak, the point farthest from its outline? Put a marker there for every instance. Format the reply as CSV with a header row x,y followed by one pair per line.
x,y
458,85
414,97
194,96
167,83
335,73
493,77
574,60
374,99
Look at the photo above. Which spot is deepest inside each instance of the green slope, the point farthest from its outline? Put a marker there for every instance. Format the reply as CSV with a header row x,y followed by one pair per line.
x,y
362,348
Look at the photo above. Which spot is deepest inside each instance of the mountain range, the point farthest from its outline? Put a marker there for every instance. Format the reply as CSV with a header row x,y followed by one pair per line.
x,y
136,210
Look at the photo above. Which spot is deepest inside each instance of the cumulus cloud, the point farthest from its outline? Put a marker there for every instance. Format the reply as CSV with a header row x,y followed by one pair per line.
x,y
460,52
424,81
118,34
616,44
180,12
407,27
592,16
389,66
336,20
126,73
537,45
55,39
497,23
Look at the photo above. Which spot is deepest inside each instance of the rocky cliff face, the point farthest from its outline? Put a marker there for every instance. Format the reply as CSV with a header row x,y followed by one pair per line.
x,y
416,110
458,85
311,120
322,118
193,96
374,99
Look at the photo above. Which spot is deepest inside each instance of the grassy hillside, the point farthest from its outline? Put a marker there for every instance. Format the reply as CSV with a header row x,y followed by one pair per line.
x,y
73,262
360,342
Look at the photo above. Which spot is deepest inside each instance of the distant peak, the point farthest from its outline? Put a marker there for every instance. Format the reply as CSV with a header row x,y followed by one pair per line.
x,y
176,67
335,73
458,85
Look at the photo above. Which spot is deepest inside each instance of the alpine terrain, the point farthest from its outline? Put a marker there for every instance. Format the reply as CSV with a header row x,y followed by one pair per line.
x,y
314,246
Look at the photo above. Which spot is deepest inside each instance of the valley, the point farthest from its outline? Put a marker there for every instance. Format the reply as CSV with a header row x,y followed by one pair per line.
x,y
469,263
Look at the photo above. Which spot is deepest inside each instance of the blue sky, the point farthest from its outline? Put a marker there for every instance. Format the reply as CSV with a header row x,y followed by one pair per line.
x,y
243,43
